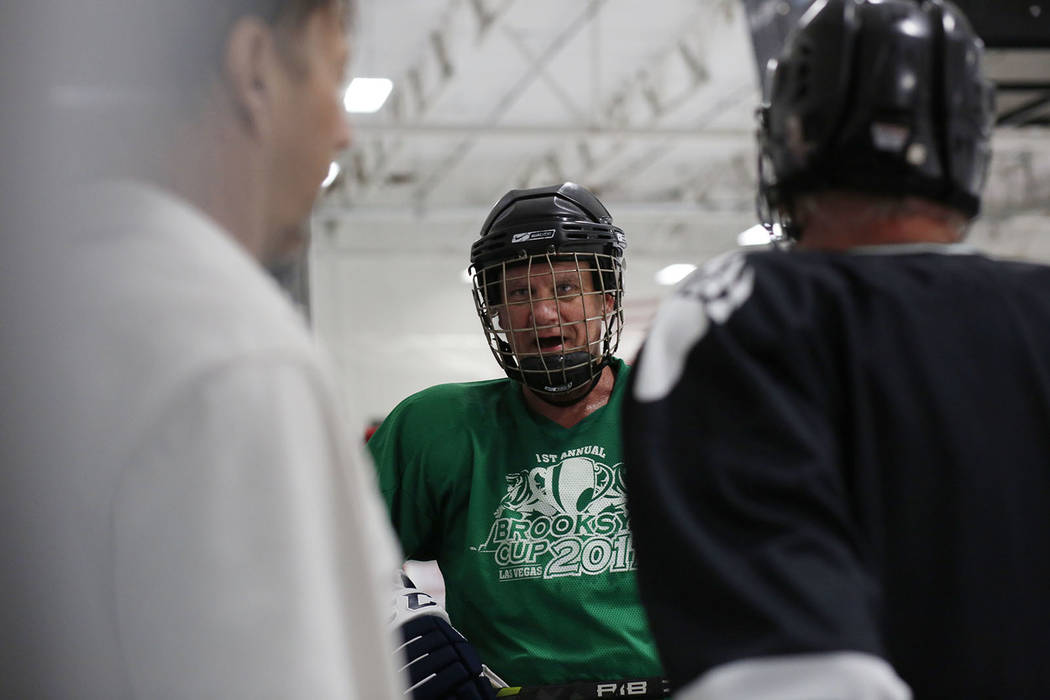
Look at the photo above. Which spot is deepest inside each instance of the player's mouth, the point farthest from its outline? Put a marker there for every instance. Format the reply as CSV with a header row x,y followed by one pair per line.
x,y
551,344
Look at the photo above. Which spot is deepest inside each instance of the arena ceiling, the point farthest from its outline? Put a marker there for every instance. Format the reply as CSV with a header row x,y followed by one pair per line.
x,y
649,103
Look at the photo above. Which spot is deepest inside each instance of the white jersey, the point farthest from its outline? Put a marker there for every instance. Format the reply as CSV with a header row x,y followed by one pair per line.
x,y
196,523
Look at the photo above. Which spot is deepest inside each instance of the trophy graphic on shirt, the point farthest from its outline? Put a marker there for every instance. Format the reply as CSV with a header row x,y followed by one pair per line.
x,y
575,485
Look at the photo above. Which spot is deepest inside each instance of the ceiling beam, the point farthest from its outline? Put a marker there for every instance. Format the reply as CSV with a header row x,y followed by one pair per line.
x,y
555,87
655,92
373,157
1006,137
532,131
531,73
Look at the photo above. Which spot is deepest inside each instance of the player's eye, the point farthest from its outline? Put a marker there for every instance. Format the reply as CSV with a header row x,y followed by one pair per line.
x,y
517,292
567,288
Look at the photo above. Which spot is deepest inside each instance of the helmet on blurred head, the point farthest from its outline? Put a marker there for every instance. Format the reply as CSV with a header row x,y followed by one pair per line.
x,y
885,97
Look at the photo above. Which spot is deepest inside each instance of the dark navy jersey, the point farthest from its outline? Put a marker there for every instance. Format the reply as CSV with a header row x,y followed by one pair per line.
x,y
849,451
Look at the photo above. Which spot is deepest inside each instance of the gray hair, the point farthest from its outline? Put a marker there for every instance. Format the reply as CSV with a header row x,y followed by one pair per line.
x,y
870,208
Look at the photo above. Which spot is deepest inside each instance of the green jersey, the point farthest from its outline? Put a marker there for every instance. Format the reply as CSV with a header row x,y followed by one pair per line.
x,y
527,521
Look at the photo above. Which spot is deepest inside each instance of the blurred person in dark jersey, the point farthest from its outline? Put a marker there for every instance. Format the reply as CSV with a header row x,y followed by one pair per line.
x,y
838,454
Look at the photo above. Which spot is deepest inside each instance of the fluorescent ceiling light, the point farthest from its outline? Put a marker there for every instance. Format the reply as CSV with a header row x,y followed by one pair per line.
x,y
366,95
673,274
333,171
756,235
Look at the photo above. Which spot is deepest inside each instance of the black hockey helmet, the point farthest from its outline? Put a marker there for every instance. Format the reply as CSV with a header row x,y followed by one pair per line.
x,y
878,96
531,229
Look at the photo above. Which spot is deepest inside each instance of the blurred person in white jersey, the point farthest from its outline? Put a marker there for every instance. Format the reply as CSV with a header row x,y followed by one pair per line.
x,y
196,518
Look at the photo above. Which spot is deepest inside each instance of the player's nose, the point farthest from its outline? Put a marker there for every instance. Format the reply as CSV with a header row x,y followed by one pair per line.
x,y
544,311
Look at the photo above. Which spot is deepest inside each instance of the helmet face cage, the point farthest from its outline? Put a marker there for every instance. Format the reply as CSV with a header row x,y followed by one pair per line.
x,y
580,320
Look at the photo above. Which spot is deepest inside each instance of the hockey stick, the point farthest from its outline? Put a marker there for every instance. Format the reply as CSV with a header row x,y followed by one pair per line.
x,y
654,687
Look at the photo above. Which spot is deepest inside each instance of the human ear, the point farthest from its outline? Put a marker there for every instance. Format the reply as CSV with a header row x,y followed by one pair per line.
x,y
248,69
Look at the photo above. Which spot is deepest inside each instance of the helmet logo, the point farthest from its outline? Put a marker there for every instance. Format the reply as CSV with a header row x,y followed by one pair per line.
x,y
532,236
889,137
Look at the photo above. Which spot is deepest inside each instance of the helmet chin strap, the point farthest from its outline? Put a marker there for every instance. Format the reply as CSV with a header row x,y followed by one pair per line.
x,y
583,373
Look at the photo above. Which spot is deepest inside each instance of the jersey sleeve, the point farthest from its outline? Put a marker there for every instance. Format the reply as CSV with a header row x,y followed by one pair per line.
x,y
403,466
250,548
738,499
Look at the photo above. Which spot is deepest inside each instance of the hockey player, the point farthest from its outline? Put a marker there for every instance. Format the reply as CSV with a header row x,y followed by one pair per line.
x,y
843,450
190,519
514,485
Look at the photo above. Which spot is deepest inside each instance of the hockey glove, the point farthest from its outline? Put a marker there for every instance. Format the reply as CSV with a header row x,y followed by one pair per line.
x,y
441,664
